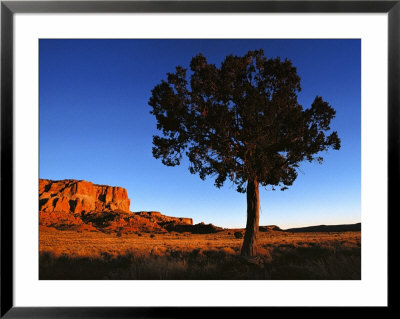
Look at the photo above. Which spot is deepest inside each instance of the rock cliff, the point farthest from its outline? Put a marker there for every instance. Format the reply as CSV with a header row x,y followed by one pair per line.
x,y
80,196
80,205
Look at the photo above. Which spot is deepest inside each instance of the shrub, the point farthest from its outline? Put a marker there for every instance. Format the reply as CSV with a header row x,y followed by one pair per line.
x,y
238,234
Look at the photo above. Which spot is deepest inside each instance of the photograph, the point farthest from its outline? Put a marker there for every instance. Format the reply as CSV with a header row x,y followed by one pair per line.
x,y
199,159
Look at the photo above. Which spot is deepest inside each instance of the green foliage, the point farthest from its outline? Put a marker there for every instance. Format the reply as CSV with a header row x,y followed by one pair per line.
x,y
241,121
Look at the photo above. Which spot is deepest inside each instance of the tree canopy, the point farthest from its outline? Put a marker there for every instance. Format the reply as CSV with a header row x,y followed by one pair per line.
x,y
240,121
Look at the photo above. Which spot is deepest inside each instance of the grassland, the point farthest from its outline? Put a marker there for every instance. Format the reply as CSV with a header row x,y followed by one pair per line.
x,y
282,255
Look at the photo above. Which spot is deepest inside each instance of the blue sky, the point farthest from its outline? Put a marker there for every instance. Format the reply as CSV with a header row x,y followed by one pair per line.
x,y
95,125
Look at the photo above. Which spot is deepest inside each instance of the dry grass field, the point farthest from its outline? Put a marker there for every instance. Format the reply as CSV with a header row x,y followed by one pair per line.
x,y
282,255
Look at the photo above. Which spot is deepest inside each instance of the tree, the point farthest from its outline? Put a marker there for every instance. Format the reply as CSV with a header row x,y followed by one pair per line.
x,y
240,122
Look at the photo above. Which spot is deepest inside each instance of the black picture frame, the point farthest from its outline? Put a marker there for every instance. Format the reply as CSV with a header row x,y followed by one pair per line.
x,y
9,8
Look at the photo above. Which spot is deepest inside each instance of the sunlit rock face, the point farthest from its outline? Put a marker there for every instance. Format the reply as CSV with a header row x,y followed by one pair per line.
x,y
164,220
80,205
80,196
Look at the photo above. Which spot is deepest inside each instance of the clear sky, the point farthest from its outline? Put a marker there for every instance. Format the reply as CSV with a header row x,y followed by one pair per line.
x,y
95,125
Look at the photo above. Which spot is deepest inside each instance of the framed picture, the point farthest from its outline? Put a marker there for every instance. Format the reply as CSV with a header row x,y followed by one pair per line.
x,y
106,104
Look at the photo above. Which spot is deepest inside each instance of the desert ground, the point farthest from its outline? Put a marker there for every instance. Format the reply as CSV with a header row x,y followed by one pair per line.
x,y
86,231
65,254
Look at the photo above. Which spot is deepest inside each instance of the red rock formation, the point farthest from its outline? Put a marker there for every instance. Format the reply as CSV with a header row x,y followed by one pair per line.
x,y
80,196
163,219
84,206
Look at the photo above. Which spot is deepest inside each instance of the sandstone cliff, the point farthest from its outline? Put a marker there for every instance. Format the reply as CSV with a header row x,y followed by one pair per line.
x,y
84,206
80,196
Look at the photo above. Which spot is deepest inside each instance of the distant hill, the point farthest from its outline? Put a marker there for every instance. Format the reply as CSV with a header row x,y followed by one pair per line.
x,y
269,228
326,228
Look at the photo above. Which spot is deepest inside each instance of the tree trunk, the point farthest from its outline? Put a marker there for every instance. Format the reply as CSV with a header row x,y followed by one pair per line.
x,y
249,247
